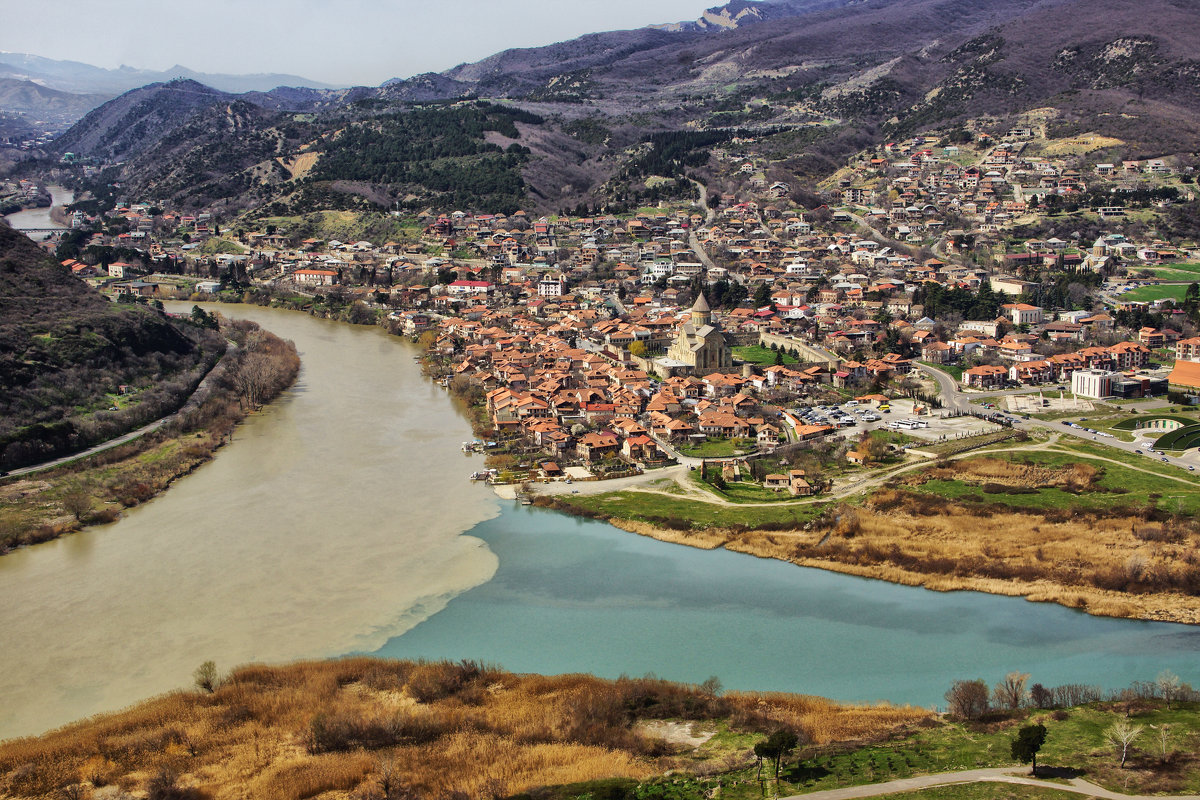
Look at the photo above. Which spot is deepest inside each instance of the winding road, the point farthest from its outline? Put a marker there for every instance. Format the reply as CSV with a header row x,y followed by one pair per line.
x,y
994,775
194,400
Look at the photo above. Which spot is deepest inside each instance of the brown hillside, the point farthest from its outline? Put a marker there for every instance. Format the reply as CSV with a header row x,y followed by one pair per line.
x,y
441,730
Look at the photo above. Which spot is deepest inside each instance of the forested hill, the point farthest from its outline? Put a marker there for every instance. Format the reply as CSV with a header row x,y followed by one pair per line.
x,y
831,76
65,352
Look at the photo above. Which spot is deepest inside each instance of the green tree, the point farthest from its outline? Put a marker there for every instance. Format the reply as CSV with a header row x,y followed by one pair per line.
x,y
762,295
1029,740
776,747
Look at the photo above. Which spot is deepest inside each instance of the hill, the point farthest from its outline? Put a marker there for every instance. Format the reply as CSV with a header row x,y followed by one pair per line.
x,y
41,106
79,78
829,74
391,729
65,353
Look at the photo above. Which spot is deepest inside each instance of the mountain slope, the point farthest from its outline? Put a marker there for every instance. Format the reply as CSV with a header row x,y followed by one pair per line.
x,y
137,120
64,349
79,78
840,71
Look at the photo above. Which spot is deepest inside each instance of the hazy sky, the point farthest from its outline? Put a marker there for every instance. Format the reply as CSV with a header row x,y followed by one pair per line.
x,y
343,42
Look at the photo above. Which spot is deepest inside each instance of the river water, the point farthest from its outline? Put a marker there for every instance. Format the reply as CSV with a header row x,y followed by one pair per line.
x,y
39,218
333,521
340,521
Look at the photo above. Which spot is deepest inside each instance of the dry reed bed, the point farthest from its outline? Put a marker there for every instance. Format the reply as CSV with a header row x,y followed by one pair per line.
x,y
442,730
1121,565
1117,563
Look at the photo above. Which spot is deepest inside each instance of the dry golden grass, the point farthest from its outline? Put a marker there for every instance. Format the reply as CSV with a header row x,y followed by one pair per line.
x,y
442,730
1121,566
1078,145
1074,477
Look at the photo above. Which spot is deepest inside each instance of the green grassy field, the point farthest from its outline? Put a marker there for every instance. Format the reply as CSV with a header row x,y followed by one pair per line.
x,y
1131,423
1075,742
655,508
1119,485
718,448
986,791
1149,293
762,356
1075,745
953,370
1177,272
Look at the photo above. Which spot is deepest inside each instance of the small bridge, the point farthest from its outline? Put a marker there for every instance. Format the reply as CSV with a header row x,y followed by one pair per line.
x,y
28,231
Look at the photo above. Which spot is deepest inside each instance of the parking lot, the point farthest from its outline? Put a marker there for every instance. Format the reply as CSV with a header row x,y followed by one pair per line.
x,y
852,419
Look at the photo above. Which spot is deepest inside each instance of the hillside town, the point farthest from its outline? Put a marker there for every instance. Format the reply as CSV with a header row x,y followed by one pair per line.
x,y
621,342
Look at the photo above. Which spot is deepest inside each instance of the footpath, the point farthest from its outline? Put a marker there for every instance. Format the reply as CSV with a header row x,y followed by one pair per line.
x,y
994,775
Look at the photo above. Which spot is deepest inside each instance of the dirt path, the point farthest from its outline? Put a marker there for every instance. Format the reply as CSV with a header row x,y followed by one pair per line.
x,y
996,775
693,492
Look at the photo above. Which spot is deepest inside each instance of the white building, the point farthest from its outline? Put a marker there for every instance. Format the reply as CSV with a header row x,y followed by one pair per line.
x,y
550,288
1022,313
1093,383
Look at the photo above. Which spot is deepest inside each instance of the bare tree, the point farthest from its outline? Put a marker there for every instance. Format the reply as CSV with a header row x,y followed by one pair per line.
x,y
1164,734
206,677
1121,734
77,502
968,699
1168,685
1010,692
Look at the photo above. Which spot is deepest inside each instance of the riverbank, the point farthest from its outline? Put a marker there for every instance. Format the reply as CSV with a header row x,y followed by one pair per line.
x,y
1084,538
441,729
1031,550
380,729
95,489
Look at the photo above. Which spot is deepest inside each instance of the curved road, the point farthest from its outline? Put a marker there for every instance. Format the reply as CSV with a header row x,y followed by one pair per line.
x,y
709,215
995,775
196,398
957,400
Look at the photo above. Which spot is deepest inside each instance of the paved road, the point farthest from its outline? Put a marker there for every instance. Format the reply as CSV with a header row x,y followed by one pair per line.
x,y
997,775
709,216
198,396
955,399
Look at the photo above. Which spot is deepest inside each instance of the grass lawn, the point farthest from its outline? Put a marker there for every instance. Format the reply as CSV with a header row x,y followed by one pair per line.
x,y
1118,486
986,791
893,437
1075,742
1186,270
654,508
953,370
762,356
1148,293
746,492
718,448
